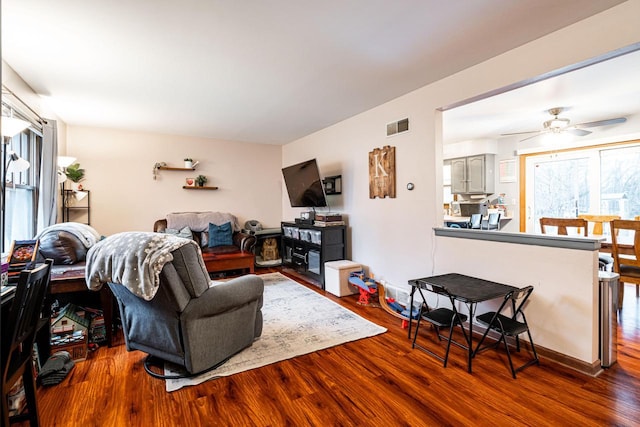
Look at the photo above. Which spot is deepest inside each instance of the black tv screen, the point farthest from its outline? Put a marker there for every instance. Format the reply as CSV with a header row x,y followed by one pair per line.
x,y
304,185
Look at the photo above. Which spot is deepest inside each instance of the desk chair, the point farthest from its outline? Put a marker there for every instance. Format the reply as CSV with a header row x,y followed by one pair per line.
x,y
441,318
509,326
18,336
476,221
626,262
561,224
493,222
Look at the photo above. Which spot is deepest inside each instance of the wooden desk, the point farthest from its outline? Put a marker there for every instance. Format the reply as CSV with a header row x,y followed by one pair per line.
x,y
66,279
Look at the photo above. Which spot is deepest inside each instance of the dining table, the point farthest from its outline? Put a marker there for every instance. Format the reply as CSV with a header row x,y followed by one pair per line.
x,y
467,290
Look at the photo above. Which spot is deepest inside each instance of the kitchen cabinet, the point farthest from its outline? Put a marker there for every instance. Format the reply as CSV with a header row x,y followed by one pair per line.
x,y
473,174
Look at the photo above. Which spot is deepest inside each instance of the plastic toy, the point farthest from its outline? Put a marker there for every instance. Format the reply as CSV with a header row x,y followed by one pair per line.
x,y
393,307
366,286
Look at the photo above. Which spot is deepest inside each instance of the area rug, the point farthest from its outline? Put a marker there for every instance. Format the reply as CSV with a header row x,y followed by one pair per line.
x,y
297,321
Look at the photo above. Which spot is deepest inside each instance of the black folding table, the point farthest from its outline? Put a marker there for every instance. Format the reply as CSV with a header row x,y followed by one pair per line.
x,y
466,289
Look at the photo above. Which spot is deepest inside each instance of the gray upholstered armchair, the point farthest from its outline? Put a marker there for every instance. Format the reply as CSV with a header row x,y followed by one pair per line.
x,y
187,322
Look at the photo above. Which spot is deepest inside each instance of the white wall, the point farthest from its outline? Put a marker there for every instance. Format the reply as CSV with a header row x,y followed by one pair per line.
x,y
22,90
124,196
393,236
563,309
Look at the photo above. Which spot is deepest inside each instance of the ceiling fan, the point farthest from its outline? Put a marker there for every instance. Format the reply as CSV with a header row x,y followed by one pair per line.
x,y
561,124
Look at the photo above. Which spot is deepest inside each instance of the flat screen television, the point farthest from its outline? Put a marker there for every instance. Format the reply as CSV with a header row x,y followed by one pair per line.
x,y
304,185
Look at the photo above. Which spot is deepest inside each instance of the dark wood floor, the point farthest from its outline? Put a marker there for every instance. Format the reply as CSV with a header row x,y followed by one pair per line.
x,y
379,381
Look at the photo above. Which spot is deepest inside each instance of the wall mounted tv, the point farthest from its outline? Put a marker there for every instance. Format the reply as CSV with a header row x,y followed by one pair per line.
x,y
304,185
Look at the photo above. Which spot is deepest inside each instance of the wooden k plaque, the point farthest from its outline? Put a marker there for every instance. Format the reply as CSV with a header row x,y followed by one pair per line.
x,y
382,172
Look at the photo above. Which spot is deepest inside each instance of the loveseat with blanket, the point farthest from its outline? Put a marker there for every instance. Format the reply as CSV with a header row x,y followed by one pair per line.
x,y
224,247
169,307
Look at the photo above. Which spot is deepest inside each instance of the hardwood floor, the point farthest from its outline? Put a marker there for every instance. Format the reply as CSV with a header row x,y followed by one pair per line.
x,y
378,381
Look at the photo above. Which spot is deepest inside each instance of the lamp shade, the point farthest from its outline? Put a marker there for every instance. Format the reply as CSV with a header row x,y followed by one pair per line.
x,y
65,161
12,126
16,163
80,195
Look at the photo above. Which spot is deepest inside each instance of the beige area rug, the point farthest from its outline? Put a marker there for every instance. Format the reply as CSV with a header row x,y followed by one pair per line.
x,y
297,321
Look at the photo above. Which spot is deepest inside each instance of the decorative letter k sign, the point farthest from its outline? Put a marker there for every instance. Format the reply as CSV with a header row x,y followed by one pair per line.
x,y
382,172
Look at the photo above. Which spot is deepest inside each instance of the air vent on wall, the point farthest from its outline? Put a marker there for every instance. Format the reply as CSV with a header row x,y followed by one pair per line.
x,y
398,127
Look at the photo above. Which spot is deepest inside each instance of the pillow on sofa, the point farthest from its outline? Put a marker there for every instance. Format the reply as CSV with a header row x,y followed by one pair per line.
x,y
63,247
220,235
184,232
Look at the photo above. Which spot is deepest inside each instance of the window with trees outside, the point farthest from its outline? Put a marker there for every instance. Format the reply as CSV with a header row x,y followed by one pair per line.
x,y
603,180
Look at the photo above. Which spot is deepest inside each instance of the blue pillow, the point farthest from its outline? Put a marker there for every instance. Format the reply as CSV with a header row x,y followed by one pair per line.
x,y
220,235
185,232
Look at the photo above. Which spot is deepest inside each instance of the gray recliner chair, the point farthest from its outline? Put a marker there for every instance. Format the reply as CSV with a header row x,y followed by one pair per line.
x,y
189,323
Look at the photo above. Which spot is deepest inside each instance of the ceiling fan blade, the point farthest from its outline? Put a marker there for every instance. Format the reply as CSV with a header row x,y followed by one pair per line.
x,y
602,122
533,136
578,132
518,133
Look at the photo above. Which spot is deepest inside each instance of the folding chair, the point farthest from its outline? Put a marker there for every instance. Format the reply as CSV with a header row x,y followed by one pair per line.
x,y
509,326
441,318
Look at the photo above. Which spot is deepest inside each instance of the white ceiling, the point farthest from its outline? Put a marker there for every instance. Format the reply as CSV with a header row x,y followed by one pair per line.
x,y
608,89
256,71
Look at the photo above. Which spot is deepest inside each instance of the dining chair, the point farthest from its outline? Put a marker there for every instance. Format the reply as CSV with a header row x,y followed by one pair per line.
x,y
18,335
625,248
598,222
476,221
509,326
441,318
605,260
561,224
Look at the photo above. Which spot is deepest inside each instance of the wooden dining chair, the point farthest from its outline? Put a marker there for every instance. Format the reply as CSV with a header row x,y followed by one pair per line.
x,y
561,225
598,222
625,249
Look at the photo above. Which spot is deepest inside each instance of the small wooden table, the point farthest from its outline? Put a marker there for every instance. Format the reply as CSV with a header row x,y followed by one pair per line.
x,y
70,278
230,261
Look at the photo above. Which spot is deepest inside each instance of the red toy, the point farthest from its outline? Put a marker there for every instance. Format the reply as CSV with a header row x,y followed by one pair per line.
x,y
367,287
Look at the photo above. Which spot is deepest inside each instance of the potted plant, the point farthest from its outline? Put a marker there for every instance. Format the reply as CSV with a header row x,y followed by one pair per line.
x,y
188,163
75,174
201,180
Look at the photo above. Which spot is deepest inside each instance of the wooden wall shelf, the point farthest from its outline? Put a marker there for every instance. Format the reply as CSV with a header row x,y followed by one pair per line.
x,y
186,187
168,168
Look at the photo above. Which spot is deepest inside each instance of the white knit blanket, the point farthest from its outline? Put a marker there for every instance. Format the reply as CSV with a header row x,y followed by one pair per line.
x,y
87,234
199,221
132,259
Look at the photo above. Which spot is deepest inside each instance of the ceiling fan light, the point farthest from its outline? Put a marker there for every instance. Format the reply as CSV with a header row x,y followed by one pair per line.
x,y
556,125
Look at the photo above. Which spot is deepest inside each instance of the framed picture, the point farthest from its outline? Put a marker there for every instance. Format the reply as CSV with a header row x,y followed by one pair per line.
x,y
190,182
22,252
508,171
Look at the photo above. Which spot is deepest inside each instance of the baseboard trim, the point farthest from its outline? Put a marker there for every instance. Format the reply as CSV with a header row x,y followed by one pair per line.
x,y
592,369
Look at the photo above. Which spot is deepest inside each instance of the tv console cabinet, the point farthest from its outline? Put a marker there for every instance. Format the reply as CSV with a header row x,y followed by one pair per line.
x,y
307,247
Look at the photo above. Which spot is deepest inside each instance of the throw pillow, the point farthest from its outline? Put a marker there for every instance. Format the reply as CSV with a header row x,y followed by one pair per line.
x,y
220,235
184,232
